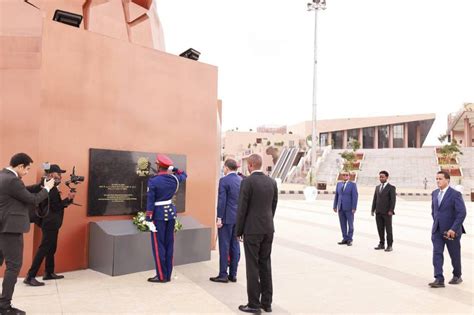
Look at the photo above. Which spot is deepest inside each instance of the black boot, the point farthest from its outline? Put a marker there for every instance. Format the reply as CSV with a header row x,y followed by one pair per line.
x,y
157,279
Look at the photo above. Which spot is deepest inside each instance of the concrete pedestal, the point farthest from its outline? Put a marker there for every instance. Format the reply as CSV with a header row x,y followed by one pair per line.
x,y
119,248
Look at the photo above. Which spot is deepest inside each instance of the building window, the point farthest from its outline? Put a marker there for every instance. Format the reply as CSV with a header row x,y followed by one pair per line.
x,y
398,136
352,134
323,139
383,133
368,135
412,134
337,137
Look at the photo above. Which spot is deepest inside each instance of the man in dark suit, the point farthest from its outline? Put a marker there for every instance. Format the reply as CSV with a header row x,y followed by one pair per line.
x,y
345,204
257,204
53,211
229,248
448,211
15,201
383,207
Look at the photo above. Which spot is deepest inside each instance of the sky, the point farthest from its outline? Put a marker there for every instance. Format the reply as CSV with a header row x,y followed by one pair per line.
x,y
375,57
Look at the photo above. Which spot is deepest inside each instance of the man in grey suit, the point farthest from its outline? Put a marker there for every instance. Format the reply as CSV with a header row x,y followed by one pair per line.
x,y
15,201
258,200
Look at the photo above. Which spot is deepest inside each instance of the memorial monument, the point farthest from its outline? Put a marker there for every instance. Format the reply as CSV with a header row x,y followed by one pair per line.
x,y
109,85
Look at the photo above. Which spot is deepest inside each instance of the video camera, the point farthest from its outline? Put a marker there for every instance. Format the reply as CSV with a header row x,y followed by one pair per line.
x,y
74,179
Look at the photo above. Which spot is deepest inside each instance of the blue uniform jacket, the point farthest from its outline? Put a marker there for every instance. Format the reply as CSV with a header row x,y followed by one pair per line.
x,y
162,187
450,214
346,200
228,199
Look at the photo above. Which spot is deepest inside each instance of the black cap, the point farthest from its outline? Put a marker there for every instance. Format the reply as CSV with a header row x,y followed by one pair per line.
x,y
54,168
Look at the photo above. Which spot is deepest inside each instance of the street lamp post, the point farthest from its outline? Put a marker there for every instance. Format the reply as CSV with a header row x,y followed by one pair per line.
x,y
315,6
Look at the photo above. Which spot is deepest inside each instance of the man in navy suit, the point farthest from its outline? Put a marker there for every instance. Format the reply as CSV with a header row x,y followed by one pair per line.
x,y
345,204
448,211
229,248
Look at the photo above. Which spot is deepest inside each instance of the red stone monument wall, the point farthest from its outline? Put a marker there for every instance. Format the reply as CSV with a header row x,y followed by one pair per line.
x,y
64,90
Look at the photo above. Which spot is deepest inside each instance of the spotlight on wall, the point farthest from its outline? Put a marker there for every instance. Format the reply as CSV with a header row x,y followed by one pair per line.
x,y
68,18
190,54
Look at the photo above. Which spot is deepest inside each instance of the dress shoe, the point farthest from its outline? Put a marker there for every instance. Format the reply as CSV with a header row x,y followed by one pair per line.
x,y
437,284
232,279
380,246
349,243
11,311
343,242
266,308
157,279
389,249
455,280
248,309
32,282
219,279
52,276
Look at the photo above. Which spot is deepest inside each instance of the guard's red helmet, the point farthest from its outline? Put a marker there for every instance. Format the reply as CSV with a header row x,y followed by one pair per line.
x,y
163,161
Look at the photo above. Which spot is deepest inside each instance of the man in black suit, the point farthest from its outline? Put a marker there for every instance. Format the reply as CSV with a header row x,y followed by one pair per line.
x,y
15,201
257,204
383,206
53,211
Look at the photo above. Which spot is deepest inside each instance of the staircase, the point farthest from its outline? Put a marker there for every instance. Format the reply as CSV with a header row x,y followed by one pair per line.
x,y
408,167
330,167
466,160
284,163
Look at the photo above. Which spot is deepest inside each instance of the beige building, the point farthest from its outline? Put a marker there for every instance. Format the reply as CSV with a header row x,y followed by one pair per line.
x,y
272,129
461,125
404,131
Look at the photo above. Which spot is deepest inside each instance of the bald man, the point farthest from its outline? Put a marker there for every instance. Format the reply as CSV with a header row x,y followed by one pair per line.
x,y
258,200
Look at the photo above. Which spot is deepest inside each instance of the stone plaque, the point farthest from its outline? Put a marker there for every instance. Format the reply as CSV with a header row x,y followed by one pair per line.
x,y
118,181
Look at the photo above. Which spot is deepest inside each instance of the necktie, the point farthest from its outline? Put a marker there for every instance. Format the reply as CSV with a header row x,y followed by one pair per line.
x,y
440,197
344,186
381,188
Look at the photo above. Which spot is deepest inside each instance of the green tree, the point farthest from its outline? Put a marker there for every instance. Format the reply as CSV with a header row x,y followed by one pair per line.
x,y
349,159
442,138
354,144
449,152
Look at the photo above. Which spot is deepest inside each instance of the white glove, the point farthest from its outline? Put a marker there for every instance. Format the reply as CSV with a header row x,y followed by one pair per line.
x,y
48,184
151,226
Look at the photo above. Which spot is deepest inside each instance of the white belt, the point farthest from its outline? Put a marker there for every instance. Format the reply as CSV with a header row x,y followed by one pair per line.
x,y
163,203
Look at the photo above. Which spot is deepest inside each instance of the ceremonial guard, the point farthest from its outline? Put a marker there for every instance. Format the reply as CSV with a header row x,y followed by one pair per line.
x,y
162,212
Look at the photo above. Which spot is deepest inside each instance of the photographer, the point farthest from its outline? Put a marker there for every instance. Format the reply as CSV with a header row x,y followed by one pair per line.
x,y
14,202
51,213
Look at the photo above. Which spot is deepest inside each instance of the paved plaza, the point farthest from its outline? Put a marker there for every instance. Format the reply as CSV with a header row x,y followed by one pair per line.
x,y
311,273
